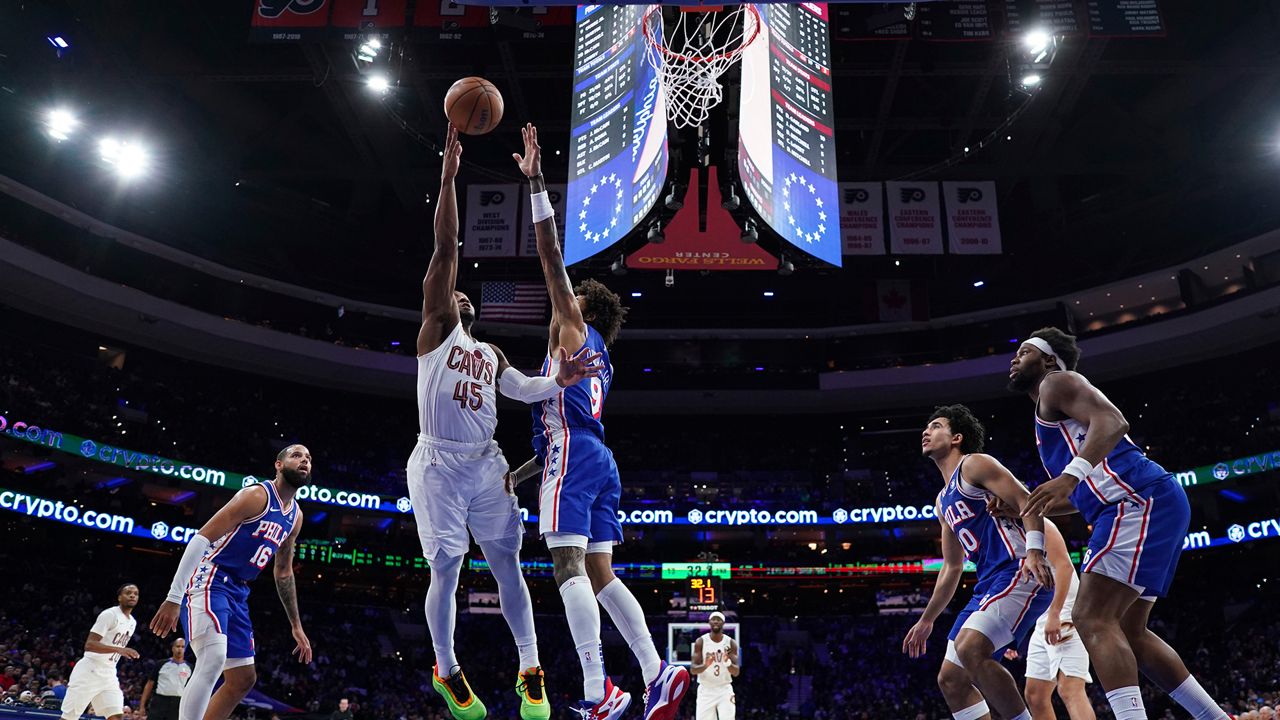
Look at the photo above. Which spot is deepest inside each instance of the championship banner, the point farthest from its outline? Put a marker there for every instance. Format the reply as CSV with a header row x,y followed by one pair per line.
x,y
354,19
528,239
973,221
915,225
490,227
289,20
862,218
441,20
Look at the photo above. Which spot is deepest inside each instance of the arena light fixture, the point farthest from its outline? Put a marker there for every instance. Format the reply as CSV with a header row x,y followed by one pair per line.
x,y
636,294
785,266
60,123
379,83
655,235
749,232
129,159
58,42
979,283
1031,80
768,293
1037,42
675,198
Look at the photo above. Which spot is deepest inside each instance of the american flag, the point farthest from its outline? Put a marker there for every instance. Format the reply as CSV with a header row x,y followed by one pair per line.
x,y
513,302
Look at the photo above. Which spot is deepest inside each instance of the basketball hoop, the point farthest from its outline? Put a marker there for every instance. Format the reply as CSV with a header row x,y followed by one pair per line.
x,y
694,52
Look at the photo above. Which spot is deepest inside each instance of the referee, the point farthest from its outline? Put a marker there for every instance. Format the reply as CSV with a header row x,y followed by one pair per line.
x,y
167,684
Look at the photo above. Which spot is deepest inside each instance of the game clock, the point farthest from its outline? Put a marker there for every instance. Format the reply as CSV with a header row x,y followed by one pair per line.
x,y
703,593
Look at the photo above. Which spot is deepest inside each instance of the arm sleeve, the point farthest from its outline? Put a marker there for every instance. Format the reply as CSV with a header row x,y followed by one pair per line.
x,y
520,387
190,559
103,624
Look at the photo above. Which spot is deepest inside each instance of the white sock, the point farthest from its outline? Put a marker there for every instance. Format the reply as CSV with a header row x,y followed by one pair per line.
x,y
513,598
973,712
1126,703
442,609
1193,698
626,613
1024,715
211,655
584,625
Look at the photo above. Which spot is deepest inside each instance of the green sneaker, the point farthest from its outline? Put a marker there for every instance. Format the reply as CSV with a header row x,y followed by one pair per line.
x,y
463,704
531,687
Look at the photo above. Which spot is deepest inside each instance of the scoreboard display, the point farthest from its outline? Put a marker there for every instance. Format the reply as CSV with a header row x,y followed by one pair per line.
x,y
786,138
618,135
704,594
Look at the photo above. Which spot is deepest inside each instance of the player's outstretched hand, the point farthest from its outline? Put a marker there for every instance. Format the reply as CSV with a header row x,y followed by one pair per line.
x,y
131,653
1050,495
1010,654
452,155
303,651
509,482
1037,568
574,370
531,162
166,618
917,638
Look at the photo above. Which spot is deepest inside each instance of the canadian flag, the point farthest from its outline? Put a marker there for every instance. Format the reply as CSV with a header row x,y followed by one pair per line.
x,y
900,301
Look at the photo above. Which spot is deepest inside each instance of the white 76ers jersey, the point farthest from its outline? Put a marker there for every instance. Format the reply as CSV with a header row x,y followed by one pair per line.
x,y
456,390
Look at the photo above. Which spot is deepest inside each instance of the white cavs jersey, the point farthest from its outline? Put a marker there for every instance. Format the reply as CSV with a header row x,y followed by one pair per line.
x,y
116,629
716,656
456,390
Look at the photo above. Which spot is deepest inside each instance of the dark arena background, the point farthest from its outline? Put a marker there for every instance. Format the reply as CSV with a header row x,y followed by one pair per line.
x,y
215,220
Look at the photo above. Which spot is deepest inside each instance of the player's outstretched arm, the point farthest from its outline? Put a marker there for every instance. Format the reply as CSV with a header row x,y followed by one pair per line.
x,y
522,388
989,474
917,639
1070,394
439,307
287,588
697,665
569,330
247,503
514,477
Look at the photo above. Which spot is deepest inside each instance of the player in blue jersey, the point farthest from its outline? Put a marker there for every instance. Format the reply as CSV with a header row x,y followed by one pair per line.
x,y
1139,514
210,590
580,486
1012,571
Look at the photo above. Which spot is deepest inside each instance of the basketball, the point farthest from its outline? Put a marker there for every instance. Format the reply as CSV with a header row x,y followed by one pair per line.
x,y
473,105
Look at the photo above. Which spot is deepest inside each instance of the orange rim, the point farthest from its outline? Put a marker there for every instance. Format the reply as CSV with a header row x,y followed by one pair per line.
x,y
662,47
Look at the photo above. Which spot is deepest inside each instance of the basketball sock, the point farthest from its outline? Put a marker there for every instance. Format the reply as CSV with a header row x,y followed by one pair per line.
x,y
1126,703
1193,698
626,613
441,610
973,712
583,614
211,656
513,598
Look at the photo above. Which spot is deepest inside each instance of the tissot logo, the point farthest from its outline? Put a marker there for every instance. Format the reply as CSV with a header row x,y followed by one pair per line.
x,y
912,194
968,194
492,197
856,195
276,8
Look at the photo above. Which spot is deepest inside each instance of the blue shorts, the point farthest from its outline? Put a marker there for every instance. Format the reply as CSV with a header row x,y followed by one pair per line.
x,y
1138,540
580,490
1004,608
220,605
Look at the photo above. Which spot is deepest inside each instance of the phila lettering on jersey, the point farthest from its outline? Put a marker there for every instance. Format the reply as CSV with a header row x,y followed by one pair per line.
x,y
456,390
994,544
242,553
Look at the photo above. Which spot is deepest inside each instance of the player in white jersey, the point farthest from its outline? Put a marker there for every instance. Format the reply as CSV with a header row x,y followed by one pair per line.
x,y
456,472
715,662
93,679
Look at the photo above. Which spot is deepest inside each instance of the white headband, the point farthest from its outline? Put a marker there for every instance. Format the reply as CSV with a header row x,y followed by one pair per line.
x,y
1041,345
714,615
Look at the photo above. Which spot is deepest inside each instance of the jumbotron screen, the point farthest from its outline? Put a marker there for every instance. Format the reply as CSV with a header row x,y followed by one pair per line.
x,y
618,141
787,150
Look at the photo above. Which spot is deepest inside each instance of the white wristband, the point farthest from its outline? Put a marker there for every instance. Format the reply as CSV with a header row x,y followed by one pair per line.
x,y
1035,540
1078,468
540,204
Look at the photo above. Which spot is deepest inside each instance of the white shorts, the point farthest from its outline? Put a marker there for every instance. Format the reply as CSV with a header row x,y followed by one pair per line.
x,y
1045,661
456,487
89,684
716,703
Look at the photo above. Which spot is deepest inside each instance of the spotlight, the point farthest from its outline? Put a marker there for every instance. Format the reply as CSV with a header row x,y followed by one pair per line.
x,y
368,50
749,234
379,83
1037,42
619,266
731,200
979,283
1031,80
675,198
60,123
128,158
671,279
785,266
655,233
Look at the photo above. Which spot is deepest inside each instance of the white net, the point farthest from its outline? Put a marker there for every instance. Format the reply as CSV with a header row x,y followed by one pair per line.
x,y
693,52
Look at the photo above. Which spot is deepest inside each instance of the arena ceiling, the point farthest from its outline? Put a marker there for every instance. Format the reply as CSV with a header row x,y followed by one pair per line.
x,y
1137,153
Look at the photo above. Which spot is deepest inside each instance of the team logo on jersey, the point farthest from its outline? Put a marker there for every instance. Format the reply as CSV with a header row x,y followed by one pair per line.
x,y
1221,471
841,516
276,8
695,516
1236,533
404,505
159,531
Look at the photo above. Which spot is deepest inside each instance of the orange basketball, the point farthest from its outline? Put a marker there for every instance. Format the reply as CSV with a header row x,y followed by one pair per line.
x,y
473,105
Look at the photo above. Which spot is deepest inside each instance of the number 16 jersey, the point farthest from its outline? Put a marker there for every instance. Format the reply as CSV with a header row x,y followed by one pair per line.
x,y
457,398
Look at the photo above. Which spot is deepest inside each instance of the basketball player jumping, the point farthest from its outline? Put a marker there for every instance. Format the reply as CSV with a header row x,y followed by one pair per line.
x,y
1012,570
580,486
456,471
93,679
715,662
1139,514
211,587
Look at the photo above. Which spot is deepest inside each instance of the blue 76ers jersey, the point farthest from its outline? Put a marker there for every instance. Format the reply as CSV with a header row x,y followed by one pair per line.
x,y
995,545
246,550
1125,471
578,407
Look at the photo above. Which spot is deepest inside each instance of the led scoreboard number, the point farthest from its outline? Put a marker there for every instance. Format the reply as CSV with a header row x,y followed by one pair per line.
x,y
704,593
618,136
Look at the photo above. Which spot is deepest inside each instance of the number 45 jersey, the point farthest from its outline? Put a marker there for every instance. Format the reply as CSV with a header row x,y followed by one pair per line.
x,y
457,398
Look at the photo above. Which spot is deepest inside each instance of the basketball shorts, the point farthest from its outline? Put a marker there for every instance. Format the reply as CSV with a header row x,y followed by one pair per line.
x,y
1045,661
1138,540
456,488
221,606
581,489
1005,612
90,684
715,703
